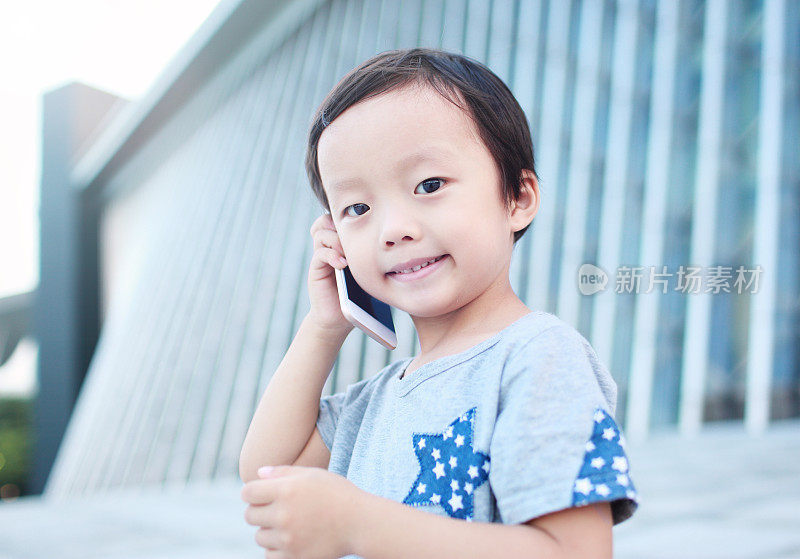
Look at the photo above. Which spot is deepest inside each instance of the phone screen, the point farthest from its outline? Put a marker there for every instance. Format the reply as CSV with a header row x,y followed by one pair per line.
x,y
377,309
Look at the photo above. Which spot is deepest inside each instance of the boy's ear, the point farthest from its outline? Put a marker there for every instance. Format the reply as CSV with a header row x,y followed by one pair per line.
x,y
526,206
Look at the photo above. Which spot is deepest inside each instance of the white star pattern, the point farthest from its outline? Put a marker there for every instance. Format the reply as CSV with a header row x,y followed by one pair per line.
x,y
455,502
620,464
583,485
598,462
451,469
603,475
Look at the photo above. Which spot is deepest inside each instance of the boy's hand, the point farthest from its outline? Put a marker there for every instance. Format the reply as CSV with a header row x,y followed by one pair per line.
x,y
307,513
322,291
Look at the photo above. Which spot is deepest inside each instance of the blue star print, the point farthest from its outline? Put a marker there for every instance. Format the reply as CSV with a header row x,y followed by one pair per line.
x,y
604,474
450,470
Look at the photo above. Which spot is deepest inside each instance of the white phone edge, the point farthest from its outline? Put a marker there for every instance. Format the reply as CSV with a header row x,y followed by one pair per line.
x,y
361,318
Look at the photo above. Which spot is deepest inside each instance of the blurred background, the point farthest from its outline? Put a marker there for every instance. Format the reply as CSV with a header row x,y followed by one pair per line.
x,y
116,48
154,216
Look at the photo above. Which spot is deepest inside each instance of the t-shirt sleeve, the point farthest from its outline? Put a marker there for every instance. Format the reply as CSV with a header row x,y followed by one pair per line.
x,y
331,408
555,444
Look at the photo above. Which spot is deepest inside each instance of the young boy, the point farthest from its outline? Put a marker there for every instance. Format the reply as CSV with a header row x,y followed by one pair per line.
x,y
498,439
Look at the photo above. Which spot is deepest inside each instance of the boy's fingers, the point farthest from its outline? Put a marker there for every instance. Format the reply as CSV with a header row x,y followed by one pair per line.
x,y
270,540
329,239
325,221
260,491
264,516
335,259
330,257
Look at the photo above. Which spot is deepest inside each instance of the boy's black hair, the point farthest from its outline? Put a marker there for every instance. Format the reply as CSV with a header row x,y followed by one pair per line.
x,y
460,79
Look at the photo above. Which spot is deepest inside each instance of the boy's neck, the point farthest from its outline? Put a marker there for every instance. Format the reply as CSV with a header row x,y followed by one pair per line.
x,y
457,331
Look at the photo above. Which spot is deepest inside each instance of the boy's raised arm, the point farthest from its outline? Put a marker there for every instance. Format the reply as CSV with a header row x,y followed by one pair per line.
x,y
287,412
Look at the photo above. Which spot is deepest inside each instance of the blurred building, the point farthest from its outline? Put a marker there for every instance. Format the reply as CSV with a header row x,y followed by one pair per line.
x,y
175,241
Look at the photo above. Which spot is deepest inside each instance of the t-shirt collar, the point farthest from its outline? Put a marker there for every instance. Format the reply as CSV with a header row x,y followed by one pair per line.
x,y
442,364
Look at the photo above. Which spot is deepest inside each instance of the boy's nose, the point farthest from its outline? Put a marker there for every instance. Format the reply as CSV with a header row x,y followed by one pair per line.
x,y
399,226
405,238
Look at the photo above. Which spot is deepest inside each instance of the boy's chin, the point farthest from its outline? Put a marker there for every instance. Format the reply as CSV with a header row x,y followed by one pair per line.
x,y
420,310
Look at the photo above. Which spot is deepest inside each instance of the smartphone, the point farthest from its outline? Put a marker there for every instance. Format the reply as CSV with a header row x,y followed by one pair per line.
x,y
366,312
374,317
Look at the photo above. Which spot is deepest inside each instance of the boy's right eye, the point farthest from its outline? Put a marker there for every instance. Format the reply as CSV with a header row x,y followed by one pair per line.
x,y
346,210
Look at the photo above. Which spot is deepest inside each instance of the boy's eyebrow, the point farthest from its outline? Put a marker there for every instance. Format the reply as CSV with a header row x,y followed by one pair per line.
x,y
425,154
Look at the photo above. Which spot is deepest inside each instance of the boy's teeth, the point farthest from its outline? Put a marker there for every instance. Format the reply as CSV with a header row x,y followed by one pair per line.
x,y
415,268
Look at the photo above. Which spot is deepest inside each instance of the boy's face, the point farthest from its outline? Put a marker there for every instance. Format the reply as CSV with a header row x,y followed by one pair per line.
x,y
392,210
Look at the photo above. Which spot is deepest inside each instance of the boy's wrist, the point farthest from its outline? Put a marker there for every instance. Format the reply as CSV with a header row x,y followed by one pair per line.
x,y
358,513
333,337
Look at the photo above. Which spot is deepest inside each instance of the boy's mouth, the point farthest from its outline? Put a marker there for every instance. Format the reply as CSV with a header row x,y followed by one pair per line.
x,y
413,266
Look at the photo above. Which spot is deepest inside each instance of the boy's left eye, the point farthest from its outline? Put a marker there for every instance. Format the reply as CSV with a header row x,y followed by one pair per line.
x,y
428,182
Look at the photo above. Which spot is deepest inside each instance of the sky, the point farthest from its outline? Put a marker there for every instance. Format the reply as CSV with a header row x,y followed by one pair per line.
x,y
119,47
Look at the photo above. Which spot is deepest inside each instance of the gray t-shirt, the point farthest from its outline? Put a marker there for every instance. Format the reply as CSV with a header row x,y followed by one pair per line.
x,y
515,427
